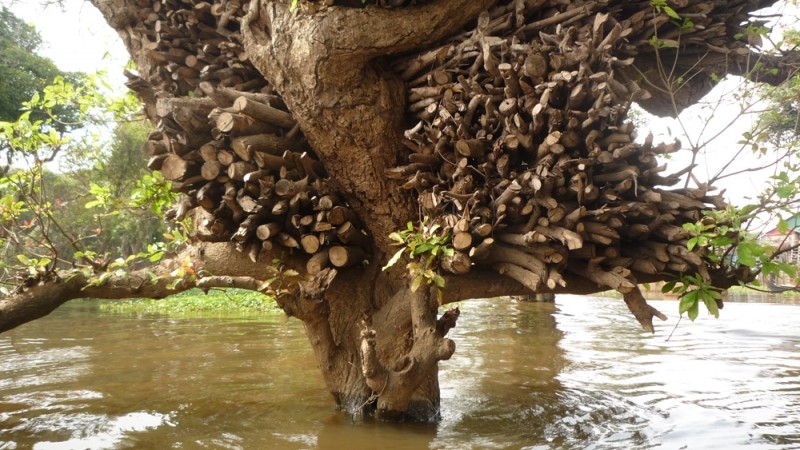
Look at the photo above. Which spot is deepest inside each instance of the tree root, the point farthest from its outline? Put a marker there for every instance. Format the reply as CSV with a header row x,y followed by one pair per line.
x,y
395,386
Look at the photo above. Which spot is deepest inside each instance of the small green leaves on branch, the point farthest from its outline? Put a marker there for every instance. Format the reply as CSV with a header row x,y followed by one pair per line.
x,y
423,246
694,290
661,6
282,280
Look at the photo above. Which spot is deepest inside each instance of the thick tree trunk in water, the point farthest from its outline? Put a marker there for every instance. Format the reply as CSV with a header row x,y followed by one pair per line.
x,y
375,359
351,111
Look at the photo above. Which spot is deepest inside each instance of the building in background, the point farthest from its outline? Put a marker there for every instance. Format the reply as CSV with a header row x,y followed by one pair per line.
x,y
788,241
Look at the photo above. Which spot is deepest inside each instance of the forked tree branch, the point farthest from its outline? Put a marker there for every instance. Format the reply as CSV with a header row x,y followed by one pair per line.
x,y
228,268
363,33
374,32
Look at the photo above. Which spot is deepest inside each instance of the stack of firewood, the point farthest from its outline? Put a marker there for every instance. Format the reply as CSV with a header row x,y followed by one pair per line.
x,y
186,43
231,147
520,148
517,143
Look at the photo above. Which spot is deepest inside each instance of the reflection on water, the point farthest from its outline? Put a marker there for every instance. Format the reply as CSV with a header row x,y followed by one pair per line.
x,y
578,374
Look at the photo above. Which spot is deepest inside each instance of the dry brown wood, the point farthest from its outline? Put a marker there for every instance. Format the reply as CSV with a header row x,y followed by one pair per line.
x,y
528,261
208,151
481,251
175,168
264,112
287,188
523,276
613,279
458,263
310,243
349,234
462,240
346,256
318,262
246,146
237,170
154,147
211,170
339,214
287,240
268,230
157,161
242,125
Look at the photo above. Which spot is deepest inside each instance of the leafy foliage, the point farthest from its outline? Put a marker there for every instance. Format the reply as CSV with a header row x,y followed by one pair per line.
x,y
196,301
23,72
100,201
282,281
424,246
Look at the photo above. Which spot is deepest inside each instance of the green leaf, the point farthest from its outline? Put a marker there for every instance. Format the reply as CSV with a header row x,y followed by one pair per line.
x,y
668,286
24,260
787,268
693,311
711,305
422,249
783,226
691,243
393,260
671,13
687,302
418,280
785,191
721,241
745,255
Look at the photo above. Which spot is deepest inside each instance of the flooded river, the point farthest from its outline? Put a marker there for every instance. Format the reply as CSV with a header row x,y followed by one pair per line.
x,y
577,374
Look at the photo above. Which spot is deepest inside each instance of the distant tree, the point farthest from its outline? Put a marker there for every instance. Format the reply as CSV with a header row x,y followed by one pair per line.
x,y
119,225
98,203
23,72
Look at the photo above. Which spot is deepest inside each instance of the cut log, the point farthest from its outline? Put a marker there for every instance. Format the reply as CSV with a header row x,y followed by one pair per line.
x,y
246,146
175,168
318,262
458,263
310,243
264,112
346,256
240,124
268,230
523,276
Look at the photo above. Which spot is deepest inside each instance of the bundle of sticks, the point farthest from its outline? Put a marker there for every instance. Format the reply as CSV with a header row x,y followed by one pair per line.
x,y
520,148
230,146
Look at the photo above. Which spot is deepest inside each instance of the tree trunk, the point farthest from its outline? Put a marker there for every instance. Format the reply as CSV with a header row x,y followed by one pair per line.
x,y
351,111
381,359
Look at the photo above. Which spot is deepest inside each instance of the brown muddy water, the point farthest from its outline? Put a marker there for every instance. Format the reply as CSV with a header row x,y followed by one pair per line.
x,y
577,374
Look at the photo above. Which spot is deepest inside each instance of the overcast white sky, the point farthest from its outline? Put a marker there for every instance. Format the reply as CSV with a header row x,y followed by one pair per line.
x,y
76,36
78,39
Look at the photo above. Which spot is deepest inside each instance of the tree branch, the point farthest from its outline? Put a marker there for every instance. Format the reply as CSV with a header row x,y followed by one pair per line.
x,y
228,267
483,282
699,68
643,312
378,31
38,301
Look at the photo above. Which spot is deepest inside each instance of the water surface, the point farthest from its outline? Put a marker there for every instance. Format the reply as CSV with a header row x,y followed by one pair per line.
x,y
577,374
